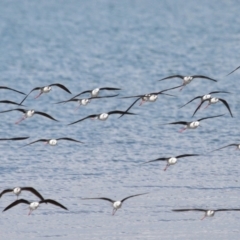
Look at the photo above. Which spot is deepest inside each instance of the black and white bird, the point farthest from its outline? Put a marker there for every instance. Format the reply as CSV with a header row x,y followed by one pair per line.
x,y
237,145
115,203
204,97
171,160
192,124
46,89
17,191
52,141
8,88
29,113
94,92
207,212
85,101
149,97
34,205
233,71
13,139
103,116
214,100
187,79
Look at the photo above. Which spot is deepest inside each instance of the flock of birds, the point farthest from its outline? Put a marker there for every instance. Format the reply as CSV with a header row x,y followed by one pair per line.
x,y
94,94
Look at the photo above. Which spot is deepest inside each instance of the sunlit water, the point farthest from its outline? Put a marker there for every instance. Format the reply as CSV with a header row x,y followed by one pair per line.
x,y
129,45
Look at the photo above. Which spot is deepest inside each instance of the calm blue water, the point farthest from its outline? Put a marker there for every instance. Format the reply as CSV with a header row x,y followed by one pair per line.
x,y
130,45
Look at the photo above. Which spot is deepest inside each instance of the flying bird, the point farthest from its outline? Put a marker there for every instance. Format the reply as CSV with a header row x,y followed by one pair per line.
x,y
17,191
233,71
34,205
237,145
149,97
3,87
95,92
214,100
115,203
52,141
171,160
207,212
29,113
85,101
46,89
204,97
187,79
193,124
103,116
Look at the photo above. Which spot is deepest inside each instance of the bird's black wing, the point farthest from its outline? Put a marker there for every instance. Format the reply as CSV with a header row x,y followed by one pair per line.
x,y
201,76
13,139
132,196
2,87
173,76
69,139
155,160
34,191
218,92
90,116
180,122
101,198
15,203
16,109
193,209
121,112
53,202
5,191
109,88
10,102
187,155
191,101
230,209
39,140
130,106
233,71
199,106
226,104
60,86
210,117
46,115
36,88
234,144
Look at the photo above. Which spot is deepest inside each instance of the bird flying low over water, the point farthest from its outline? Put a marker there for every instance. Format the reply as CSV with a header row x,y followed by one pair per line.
x,y
34,205
192,124
204,97
116,203
8,88
95,92
52,141
214,100
149,97
46,89
207,212
187,79
103,116
171,160
18,190
237,145
29,113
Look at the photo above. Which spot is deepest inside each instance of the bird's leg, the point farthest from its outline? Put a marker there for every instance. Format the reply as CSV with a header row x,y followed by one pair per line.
x,y
182,129
166,167
207,105
38,95
20,120
142,102
45,143
182,87
75,109
114,210
203,217
30,211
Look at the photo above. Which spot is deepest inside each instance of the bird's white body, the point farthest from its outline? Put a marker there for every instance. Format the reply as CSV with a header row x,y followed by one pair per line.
x,y
187,80
103,116
193,125
46,89
206,97
209,213
84,102
150,98
171,161
213,100
33,206
29,113
52,142
17,190
95,92
117,204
